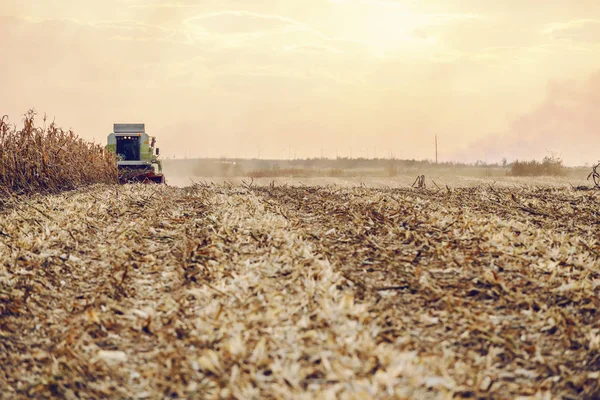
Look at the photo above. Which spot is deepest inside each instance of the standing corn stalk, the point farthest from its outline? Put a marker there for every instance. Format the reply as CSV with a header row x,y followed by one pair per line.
x,y
595,175
49,159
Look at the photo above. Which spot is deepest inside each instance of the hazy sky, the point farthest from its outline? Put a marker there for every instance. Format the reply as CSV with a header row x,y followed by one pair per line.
x,y
492,78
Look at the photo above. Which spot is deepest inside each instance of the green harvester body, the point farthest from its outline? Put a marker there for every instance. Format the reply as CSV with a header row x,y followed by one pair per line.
x,y
137,158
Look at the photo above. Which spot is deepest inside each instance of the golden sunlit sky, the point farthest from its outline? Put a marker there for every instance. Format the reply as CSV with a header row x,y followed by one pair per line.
x,y
233,78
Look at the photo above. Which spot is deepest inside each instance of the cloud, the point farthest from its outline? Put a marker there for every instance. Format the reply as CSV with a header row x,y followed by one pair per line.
x,y
504,55
565,123
241,22
425,18
62,28
580,30
62,54
355,71
310,48
237,28
133,30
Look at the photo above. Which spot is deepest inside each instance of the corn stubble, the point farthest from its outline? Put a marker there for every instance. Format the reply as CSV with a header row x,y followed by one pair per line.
x,y
49,159
224,291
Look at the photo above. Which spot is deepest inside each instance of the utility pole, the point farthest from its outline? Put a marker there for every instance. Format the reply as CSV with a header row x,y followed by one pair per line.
x,y
436,154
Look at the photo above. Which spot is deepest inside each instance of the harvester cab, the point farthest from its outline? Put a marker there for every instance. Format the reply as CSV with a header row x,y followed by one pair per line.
x,y
137,158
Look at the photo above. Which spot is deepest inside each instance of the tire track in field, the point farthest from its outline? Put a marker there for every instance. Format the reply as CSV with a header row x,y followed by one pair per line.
x,y
263,316
436,270
151,292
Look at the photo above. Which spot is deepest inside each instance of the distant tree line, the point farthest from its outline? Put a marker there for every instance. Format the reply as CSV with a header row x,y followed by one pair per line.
x,y
549,166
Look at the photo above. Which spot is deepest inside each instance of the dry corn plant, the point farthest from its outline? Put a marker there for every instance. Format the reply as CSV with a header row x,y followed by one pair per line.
x,y
595,176
49,158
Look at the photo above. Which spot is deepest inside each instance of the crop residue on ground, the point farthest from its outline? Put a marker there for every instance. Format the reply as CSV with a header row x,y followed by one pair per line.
x,y
280,291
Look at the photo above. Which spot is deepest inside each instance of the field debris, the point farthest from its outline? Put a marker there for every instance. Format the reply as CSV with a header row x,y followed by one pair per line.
x,y
252,291
419,182
595,176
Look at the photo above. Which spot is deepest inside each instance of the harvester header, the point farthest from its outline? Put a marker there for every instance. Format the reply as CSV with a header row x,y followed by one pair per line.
x,y
137,158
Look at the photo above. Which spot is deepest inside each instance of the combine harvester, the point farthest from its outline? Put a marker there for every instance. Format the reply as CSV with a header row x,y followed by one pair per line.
x,y
137,159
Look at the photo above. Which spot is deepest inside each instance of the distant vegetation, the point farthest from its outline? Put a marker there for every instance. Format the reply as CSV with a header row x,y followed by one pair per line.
x,y
49,159
549,166
362,167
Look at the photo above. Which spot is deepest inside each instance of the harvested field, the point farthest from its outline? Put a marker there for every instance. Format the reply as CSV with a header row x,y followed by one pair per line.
x,y
400,181
242,291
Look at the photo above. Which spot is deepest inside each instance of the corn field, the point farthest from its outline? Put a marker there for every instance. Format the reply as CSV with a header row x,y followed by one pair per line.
x,y
49,159
281,291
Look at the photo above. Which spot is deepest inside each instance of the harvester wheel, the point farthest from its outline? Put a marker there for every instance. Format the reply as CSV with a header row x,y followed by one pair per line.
x,y
160,179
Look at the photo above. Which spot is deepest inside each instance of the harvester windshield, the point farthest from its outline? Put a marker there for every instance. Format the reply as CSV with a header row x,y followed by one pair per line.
x,y
128,148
